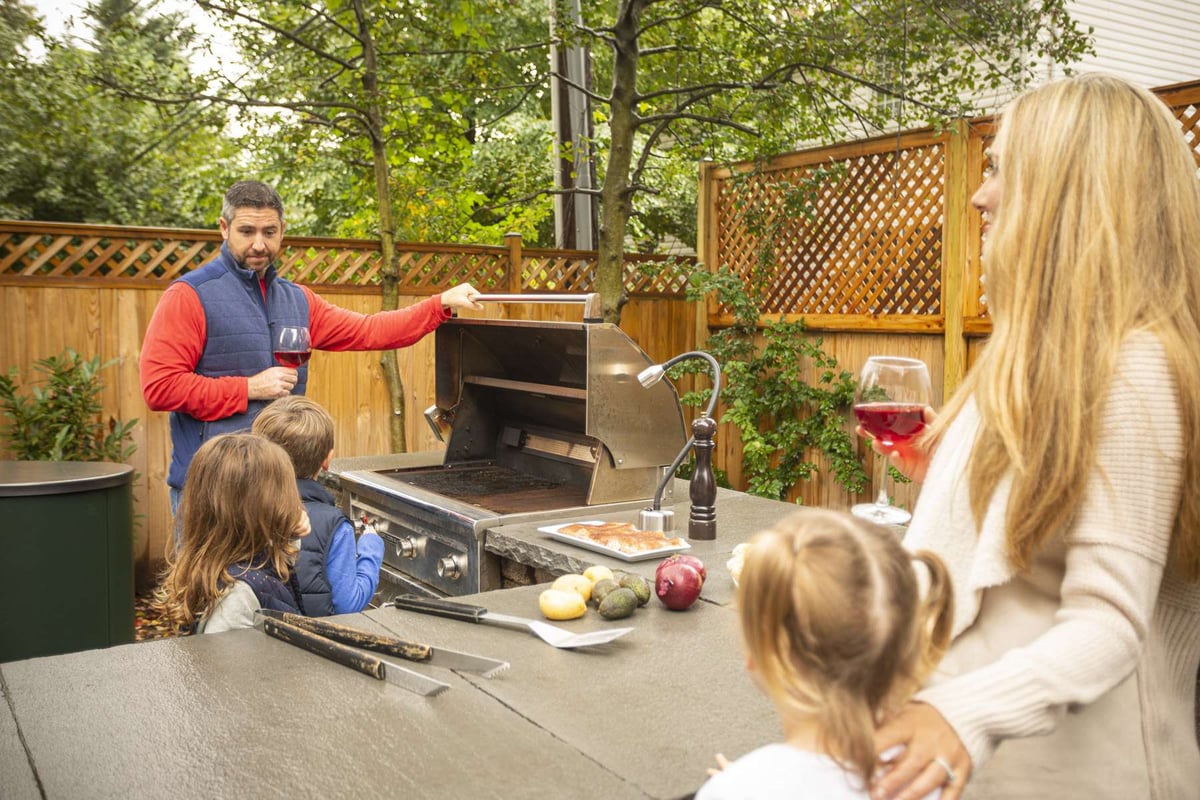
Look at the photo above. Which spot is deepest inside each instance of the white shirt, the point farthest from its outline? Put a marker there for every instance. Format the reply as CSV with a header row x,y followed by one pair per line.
x,y
232,611
780,771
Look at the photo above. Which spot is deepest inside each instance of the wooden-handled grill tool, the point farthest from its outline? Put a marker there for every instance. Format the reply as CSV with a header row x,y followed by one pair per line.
x,y
331,640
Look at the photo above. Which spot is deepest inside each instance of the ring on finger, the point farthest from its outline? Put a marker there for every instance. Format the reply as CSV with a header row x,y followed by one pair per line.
x,y
944,764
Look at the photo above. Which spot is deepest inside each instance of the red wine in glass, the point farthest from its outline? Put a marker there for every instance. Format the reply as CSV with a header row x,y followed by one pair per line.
x,y
290,359
889,403
892,423
292,346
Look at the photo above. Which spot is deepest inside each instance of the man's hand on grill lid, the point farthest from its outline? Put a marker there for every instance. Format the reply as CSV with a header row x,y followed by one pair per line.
x,y
461,296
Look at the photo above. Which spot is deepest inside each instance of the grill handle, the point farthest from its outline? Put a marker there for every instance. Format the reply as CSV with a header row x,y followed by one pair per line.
x,y
440,608
592,309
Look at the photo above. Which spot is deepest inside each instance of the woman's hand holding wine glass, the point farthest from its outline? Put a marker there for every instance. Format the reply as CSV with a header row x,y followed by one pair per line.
x,y
911,462
890,404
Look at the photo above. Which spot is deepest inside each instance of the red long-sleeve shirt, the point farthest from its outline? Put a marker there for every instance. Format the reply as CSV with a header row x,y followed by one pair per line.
x,y
177,334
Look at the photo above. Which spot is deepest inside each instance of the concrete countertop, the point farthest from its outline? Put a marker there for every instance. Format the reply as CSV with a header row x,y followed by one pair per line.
x,y
241,714
739,516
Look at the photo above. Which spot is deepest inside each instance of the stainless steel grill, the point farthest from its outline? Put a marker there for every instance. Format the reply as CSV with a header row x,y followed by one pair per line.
x,y
542,420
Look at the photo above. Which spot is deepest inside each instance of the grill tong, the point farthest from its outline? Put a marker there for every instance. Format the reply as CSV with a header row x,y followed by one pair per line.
x,y
330,640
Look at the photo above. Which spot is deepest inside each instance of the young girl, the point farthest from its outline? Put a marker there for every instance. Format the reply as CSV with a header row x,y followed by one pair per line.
x,y
838,633
241,517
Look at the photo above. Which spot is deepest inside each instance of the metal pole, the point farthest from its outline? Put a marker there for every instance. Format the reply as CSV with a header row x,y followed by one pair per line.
x,y
576,215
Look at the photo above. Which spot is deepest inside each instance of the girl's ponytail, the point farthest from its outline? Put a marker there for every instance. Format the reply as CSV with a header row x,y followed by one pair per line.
x,y
935,615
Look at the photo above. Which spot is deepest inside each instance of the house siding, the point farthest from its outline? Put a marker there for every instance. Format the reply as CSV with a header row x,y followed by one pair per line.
x,y
1150,42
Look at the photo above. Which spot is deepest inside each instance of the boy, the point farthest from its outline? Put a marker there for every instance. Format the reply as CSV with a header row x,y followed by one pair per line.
x,y
333,578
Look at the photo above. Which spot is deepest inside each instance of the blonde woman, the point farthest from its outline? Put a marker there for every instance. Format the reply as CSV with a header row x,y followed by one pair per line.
x,y
1063,490
241,516
837,634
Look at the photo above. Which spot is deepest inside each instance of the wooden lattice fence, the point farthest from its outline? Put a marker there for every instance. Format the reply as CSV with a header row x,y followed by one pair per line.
x,y
93,288
870,242
131,256
869,236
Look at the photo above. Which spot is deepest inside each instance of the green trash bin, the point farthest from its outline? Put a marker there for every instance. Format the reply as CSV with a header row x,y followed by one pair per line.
x,y
66,557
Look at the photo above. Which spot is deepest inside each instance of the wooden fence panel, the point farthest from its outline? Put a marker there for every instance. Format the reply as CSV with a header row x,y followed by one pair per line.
x,y
850,350
105,313
111,323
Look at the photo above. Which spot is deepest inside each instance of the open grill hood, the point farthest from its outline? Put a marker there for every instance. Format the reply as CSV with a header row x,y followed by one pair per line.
x,y
555,398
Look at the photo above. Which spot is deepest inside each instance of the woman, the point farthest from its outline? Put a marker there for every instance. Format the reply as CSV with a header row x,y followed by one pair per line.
x,y
1063,490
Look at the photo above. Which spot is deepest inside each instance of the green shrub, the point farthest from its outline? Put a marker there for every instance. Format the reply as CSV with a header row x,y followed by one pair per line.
x,y
61,418
783,419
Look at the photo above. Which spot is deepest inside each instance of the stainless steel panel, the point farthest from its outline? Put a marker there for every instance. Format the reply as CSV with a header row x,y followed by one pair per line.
x,y
641,427
422,545
392,583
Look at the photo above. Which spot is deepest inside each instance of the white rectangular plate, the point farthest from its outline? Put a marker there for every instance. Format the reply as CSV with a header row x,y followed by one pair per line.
x,y
587,544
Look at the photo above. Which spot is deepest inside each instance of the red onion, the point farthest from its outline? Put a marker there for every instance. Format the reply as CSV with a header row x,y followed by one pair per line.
x,y
677,584
690,561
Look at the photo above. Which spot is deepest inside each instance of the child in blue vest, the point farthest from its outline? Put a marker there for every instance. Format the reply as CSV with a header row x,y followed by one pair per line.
x,y
334,575
838,635
241,516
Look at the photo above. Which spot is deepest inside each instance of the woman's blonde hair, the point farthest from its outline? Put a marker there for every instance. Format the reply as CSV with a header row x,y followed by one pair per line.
x,y
1096,235
836,626
240,505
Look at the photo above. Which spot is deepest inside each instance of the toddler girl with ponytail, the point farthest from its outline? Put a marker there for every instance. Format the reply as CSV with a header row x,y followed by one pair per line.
x,y
840,624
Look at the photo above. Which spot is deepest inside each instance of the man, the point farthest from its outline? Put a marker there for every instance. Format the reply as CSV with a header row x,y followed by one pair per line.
x,y
208,354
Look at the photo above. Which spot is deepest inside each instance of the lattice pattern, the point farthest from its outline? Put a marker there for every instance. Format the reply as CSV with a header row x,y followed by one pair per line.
x,y
573,272
1189,119
434,271
658,275
317,264
100,253
872,245
52,250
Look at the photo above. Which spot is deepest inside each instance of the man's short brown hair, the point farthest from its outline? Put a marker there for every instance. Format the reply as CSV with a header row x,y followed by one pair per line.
x,y
302,428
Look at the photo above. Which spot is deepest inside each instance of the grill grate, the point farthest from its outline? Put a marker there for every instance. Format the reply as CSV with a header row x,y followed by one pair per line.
x,y
498,489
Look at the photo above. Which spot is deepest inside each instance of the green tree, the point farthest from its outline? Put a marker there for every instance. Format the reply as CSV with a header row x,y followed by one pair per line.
x,y
71,152
369,113
687,78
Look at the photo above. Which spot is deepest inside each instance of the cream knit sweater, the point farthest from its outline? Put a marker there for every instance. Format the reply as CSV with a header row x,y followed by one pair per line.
x,y
1096,646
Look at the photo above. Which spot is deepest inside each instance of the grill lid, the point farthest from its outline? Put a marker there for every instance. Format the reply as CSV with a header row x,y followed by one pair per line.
x,y
555,399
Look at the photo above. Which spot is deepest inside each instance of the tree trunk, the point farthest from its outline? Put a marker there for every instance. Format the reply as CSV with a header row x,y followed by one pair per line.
x,y
389,275
616,195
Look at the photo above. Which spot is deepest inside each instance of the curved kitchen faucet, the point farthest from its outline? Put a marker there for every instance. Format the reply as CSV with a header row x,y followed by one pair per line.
x,y
702,522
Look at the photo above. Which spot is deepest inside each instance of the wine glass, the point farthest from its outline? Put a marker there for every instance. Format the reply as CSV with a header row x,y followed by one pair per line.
x,y
889,404
292,346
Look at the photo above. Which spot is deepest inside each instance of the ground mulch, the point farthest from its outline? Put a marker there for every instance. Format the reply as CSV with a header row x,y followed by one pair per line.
x,y
147,625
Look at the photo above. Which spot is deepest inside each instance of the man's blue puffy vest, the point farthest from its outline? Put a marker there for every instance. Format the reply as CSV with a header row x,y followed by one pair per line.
x,y
240,341
324,517
271,591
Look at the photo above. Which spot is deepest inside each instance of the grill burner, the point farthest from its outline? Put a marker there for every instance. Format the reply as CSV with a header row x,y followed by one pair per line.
x,y
494,488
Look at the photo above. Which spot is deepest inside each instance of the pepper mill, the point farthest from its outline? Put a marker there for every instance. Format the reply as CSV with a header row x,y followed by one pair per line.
x,y
702,521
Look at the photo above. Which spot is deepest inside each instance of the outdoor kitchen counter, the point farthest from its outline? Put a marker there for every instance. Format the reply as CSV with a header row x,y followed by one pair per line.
x,y
739,516
241,714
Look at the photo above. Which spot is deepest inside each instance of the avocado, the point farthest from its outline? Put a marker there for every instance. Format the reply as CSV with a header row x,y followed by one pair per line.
x,y
601,588
639,585
619,603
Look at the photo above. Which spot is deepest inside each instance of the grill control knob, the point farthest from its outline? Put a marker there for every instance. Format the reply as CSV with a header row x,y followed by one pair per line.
x,y
374,523
450,567
406,547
